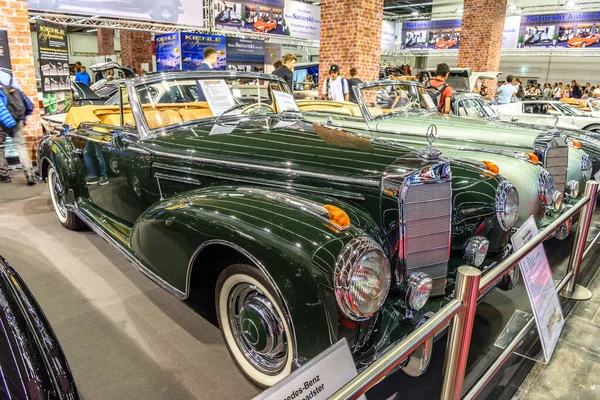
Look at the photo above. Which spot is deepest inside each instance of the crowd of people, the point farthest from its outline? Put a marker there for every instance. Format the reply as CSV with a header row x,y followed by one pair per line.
x,y
512,90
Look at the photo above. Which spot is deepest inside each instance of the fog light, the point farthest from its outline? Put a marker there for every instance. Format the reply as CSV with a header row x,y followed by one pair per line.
x,y
573,188
418,290
557,200
476,250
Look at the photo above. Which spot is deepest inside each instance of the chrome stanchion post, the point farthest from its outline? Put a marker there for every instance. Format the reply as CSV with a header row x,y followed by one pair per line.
x,y
572,290
459,337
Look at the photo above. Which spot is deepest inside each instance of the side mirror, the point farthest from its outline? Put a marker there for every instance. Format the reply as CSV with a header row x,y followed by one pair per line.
x,y
514,119
121,142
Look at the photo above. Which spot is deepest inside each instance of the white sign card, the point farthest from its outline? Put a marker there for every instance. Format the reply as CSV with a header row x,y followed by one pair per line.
x,y
318,379
430,103
217,94
537,275
285,101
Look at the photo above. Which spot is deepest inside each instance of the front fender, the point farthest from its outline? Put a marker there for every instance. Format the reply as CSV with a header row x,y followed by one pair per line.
x,y
295,248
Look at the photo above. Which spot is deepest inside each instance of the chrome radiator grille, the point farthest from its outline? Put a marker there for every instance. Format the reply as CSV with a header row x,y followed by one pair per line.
x,y
555,162
426,213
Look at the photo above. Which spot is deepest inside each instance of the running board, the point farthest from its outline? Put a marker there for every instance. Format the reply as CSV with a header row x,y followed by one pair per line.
x,y
84,216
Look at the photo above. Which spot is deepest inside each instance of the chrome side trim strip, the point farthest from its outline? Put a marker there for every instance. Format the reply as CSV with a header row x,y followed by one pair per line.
x,y
127,254
277,170
181,179
261,267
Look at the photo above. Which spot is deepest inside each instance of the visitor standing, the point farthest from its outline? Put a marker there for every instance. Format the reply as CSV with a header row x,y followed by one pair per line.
x,y
576,92
566,93
547,91
596,92
286,71
336,87
439,90
507,92
210,60
15,106
352,82
83,77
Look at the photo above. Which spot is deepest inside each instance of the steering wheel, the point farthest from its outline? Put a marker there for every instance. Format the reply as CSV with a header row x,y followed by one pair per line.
x,y
254,108
410,105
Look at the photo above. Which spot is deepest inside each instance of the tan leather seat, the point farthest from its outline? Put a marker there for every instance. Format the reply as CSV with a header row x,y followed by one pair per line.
x,y
194,114
110,119
174,117
156,119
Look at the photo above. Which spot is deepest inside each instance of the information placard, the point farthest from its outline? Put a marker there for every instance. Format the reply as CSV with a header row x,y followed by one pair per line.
x,y
285,101
537,275
54,57
318,379
217,94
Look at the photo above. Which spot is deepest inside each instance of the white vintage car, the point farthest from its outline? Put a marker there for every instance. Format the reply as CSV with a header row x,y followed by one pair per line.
x,y
545,112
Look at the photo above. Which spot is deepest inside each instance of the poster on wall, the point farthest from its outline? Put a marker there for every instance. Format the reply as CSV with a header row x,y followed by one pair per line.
x,y
575,30
510,37
168,51
188,12
247,55
388,35
4,52
192,50
441,35
280,17
272,54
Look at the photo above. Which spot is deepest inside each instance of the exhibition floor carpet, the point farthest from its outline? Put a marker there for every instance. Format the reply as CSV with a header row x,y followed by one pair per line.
x,y
125,338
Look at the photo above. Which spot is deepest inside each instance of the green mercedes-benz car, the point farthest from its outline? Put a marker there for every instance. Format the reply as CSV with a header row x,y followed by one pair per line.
x,y
301,233
547,169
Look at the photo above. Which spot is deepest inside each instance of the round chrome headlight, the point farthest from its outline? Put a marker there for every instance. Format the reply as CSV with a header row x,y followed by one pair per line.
x,y
548,195
362,279
476,250
573,188
507,205
419,286
586,166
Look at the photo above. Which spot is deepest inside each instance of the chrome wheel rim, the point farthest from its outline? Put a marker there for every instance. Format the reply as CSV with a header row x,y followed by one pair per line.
x,y
257,328
58,199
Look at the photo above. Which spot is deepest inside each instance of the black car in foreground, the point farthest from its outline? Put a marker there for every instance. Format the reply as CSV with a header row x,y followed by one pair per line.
x,y
32,363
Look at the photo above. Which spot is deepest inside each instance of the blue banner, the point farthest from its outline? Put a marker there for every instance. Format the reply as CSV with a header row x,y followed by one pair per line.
x,y
168,51
578,30
192,50
246,55
440,35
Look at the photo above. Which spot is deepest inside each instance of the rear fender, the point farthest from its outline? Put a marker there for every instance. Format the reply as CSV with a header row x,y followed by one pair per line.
x,y
293,247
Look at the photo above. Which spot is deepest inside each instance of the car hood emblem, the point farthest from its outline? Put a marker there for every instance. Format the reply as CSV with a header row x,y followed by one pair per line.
x,y
432,134
430,153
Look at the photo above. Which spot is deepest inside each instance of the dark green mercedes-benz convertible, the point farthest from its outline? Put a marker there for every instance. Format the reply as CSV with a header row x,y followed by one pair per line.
x,y
302,233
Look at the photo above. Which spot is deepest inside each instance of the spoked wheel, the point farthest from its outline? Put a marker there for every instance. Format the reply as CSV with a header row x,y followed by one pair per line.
x,y
67,218
253,325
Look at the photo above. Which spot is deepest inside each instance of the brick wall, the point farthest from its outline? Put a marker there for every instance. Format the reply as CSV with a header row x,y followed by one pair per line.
x,y
351,37
106,42
14,16
481,36
136,48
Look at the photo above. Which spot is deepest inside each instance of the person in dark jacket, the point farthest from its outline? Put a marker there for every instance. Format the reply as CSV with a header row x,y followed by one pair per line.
x,y
210,60
353,81
9,126
286,71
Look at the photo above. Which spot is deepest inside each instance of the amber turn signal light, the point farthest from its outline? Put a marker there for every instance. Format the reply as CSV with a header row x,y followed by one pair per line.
x,y
533,158
491,167
337,216
575,143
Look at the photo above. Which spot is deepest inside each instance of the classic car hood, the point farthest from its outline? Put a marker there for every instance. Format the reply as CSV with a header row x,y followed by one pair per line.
x,y
469,131
297,146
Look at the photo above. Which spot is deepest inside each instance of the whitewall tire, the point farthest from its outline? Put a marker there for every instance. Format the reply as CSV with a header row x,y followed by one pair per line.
x,y
253,325
57,193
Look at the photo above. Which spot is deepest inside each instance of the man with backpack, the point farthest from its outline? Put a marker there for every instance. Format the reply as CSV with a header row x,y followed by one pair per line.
x,y
439,91
336,87
15,106
353,81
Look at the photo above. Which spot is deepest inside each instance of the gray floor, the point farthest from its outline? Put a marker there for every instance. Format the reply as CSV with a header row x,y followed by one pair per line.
x,y
124,337
574,371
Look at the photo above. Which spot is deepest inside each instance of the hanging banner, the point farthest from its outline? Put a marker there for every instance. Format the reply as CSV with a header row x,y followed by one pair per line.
x,y
279,17
168,51
441,35
272,54
388,35
54,57
246,55
512,26
192,50
176,11
4,52
578,30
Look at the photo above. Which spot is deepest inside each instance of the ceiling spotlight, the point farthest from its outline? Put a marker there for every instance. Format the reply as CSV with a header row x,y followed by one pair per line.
x,y
571,4
512,7
459,10
415,12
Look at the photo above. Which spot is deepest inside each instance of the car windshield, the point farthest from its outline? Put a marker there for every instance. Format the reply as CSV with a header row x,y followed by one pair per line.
x,y
396,97
566,109
584,34
106,90
175,101
475,108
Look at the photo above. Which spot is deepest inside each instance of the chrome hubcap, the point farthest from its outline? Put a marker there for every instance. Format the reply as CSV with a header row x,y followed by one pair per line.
x,y
257,328
59,199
